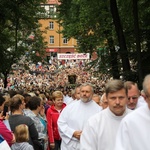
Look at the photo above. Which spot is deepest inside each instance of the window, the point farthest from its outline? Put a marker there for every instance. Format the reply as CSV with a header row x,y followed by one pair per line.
x,y
51,9
65,40
51,25
51,40
51,12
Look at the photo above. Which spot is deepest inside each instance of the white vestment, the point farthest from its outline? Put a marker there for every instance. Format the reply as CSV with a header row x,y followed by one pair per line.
x,y
141,101
67,99
100,131
73,118
134,131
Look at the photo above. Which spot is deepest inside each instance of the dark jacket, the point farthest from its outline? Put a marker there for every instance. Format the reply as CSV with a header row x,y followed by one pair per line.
x,y
15,120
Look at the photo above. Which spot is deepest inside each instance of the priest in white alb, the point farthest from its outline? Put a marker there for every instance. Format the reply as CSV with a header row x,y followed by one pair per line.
x,y
101,129
134,130
74,116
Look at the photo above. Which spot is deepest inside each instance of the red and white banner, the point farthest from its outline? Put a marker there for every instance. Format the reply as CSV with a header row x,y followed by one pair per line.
x,y
73,56
51,50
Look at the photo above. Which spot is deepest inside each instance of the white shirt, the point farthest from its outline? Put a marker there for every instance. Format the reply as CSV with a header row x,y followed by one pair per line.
x,y
73,118
141,101
67,99
134,131
100,131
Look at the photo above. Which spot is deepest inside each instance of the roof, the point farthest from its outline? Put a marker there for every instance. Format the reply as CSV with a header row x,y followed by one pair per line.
x,y
53,2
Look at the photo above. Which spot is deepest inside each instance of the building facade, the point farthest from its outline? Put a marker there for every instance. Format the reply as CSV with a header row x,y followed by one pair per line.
x,y
56,42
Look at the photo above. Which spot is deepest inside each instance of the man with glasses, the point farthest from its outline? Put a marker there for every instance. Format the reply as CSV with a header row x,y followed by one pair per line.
x,y
134,130
133,95
100,131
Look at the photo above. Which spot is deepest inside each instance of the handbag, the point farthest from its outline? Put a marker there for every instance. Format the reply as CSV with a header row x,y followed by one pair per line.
x,y
3,144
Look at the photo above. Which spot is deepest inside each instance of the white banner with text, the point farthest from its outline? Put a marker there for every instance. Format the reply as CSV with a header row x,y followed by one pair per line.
x,y
73,56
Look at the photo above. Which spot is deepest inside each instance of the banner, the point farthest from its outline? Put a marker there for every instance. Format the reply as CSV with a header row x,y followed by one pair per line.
x,y
51,50
73,56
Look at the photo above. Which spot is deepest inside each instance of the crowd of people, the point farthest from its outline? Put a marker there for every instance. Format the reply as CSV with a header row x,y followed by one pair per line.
x,y
52,76
41,110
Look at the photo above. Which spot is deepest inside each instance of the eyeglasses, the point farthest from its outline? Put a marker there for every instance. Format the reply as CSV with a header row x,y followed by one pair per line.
x,y
133,98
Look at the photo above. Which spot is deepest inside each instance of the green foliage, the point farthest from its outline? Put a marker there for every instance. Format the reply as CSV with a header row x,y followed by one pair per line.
x,y
144,33
19,19
91,23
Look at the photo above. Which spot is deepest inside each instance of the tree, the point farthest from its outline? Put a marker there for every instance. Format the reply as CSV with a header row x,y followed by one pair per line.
x,y
18,20
114,21
136,29
137,37
120,35
91,23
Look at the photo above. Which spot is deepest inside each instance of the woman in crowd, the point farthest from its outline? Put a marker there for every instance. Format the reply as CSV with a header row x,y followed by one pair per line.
x,y
52,117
